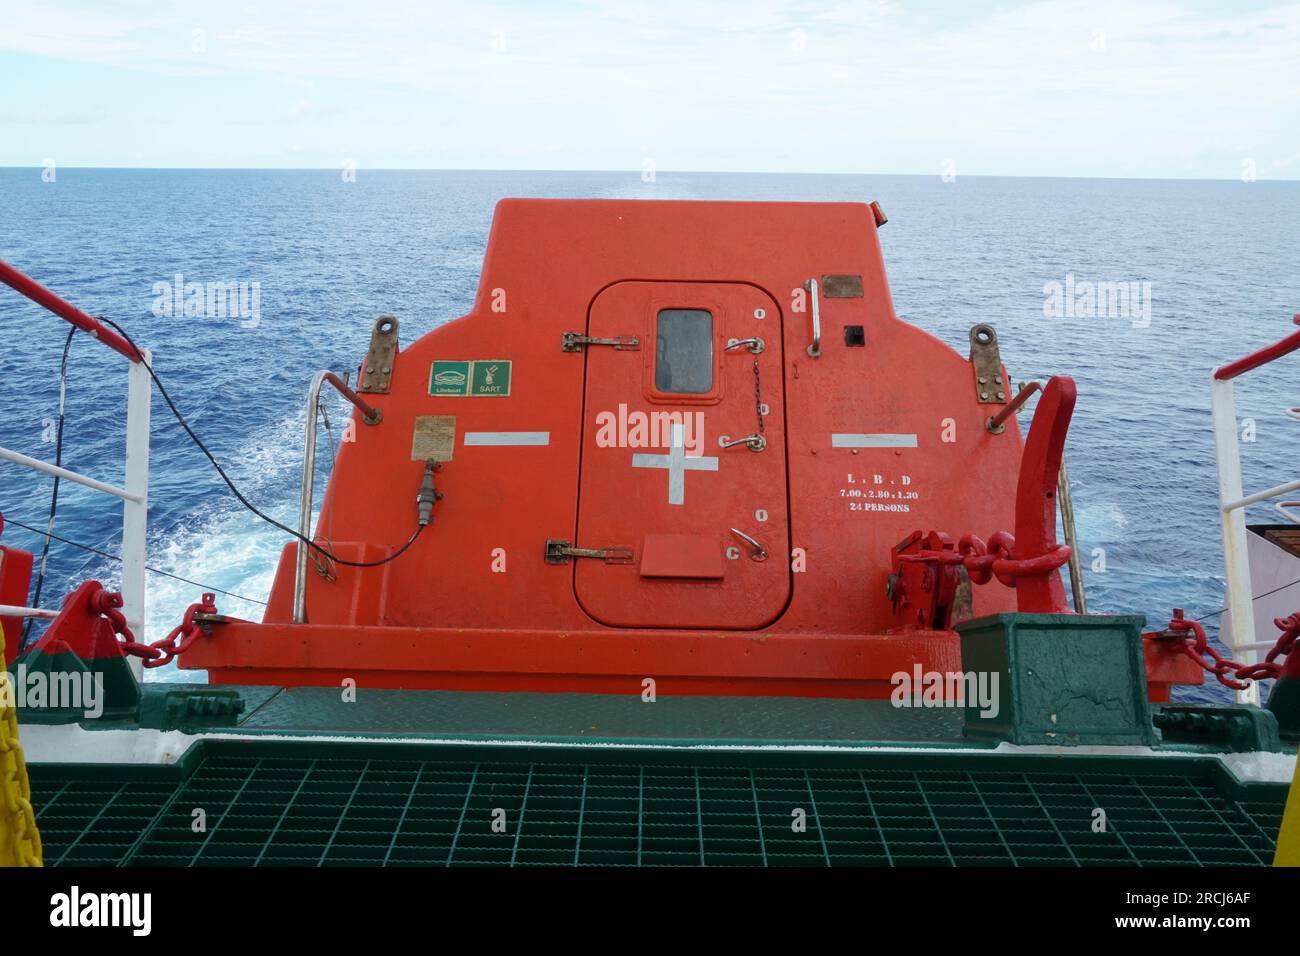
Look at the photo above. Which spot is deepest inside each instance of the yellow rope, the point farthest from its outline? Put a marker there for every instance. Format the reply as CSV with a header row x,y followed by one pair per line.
x,y
1288,839
20,841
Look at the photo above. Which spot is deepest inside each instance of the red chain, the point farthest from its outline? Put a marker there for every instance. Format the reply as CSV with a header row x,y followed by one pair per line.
x,y
1198,649
983,561
169,648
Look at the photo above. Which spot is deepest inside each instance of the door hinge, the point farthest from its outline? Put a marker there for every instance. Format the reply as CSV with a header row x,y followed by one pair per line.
x,y
574,341
559,552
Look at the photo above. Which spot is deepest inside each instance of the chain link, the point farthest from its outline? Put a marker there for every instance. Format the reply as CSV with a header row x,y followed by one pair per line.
x,y
1232,673
983,562
176,643
17,817
758,398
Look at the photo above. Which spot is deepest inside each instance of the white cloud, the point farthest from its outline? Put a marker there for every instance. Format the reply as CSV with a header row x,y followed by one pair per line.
x,y
867,83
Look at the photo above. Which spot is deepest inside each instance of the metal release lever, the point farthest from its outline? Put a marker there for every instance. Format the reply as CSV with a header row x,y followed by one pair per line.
x,y
756,550
755,442
755,345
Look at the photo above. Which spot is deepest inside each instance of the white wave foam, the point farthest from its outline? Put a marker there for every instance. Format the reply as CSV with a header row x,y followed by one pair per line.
x,y
221,544
1100,521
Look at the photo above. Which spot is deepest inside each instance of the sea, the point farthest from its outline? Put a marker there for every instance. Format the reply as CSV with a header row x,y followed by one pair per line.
x,y
1211,270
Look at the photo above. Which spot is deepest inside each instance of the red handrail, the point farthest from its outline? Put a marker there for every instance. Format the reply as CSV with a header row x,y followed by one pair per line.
x,y
25,285
1262,357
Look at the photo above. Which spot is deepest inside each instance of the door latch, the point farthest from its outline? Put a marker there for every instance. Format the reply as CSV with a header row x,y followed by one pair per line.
x,y
753,442
559,552
754,345
756,550
574,342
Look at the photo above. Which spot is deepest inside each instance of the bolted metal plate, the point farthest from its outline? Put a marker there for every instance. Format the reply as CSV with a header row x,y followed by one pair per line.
x,y
842,286
377,370
991,387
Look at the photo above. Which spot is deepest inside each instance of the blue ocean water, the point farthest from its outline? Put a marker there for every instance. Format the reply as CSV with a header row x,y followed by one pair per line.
x,y
329,255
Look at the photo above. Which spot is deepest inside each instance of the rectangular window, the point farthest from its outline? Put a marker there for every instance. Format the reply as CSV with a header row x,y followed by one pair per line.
x,y
684,351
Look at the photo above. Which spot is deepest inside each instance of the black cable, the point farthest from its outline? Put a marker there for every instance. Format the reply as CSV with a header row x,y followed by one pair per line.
x,y
1254,597
231,485
118,558
54,492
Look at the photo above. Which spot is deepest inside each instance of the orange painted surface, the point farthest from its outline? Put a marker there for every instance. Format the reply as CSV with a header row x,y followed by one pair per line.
x,y
1167,666
473,603
598,661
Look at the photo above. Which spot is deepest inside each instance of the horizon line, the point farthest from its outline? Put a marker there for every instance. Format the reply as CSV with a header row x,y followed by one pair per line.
x,y
636,173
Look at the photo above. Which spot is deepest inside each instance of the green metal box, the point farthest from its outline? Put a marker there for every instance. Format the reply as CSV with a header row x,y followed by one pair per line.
x,y
1063,679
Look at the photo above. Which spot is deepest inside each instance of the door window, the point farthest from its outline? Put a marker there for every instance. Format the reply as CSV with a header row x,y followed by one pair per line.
x,y
684,351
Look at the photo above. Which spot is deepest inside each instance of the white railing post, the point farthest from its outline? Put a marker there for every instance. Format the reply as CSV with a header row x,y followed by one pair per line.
x,y
135,513
1233,519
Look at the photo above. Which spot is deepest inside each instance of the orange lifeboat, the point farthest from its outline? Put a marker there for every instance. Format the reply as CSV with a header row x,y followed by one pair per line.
x,y
678,441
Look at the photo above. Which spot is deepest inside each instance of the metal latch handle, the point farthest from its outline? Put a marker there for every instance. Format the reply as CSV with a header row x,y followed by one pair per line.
x,y
559,552
755,442
756,550
755,345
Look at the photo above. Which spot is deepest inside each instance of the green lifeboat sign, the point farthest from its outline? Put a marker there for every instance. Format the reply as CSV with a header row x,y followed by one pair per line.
x,y
478,377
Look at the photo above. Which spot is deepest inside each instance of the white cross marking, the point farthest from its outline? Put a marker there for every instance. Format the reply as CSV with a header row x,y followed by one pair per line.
x,y
677,464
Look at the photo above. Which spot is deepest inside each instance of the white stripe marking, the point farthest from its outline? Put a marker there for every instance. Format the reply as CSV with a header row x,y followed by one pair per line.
x,y
841,440
507,438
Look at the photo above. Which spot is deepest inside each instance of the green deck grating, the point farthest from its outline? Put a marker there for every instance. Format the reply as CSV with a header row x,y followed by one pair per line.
x,y
310,805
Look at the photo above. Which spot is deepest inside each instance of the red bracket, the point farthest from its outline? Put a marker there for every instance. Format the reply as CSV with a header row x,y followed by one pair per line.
x,y
924,577
1040,467
87,625
15,584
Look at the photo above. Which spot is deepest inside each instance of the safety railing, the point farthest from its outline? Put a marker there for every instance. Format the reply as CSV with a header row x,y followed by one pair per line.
x,y
1233,501
134,492
369,416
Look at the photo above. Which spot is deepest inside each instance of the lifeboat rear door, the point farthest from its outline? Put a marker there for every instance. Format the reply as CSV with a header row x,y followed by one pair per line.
x,y
683,458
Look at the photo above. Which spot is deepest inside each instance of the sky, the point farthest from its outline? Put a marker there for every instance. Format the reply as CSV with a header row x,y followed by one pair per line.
x,y
1108,88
